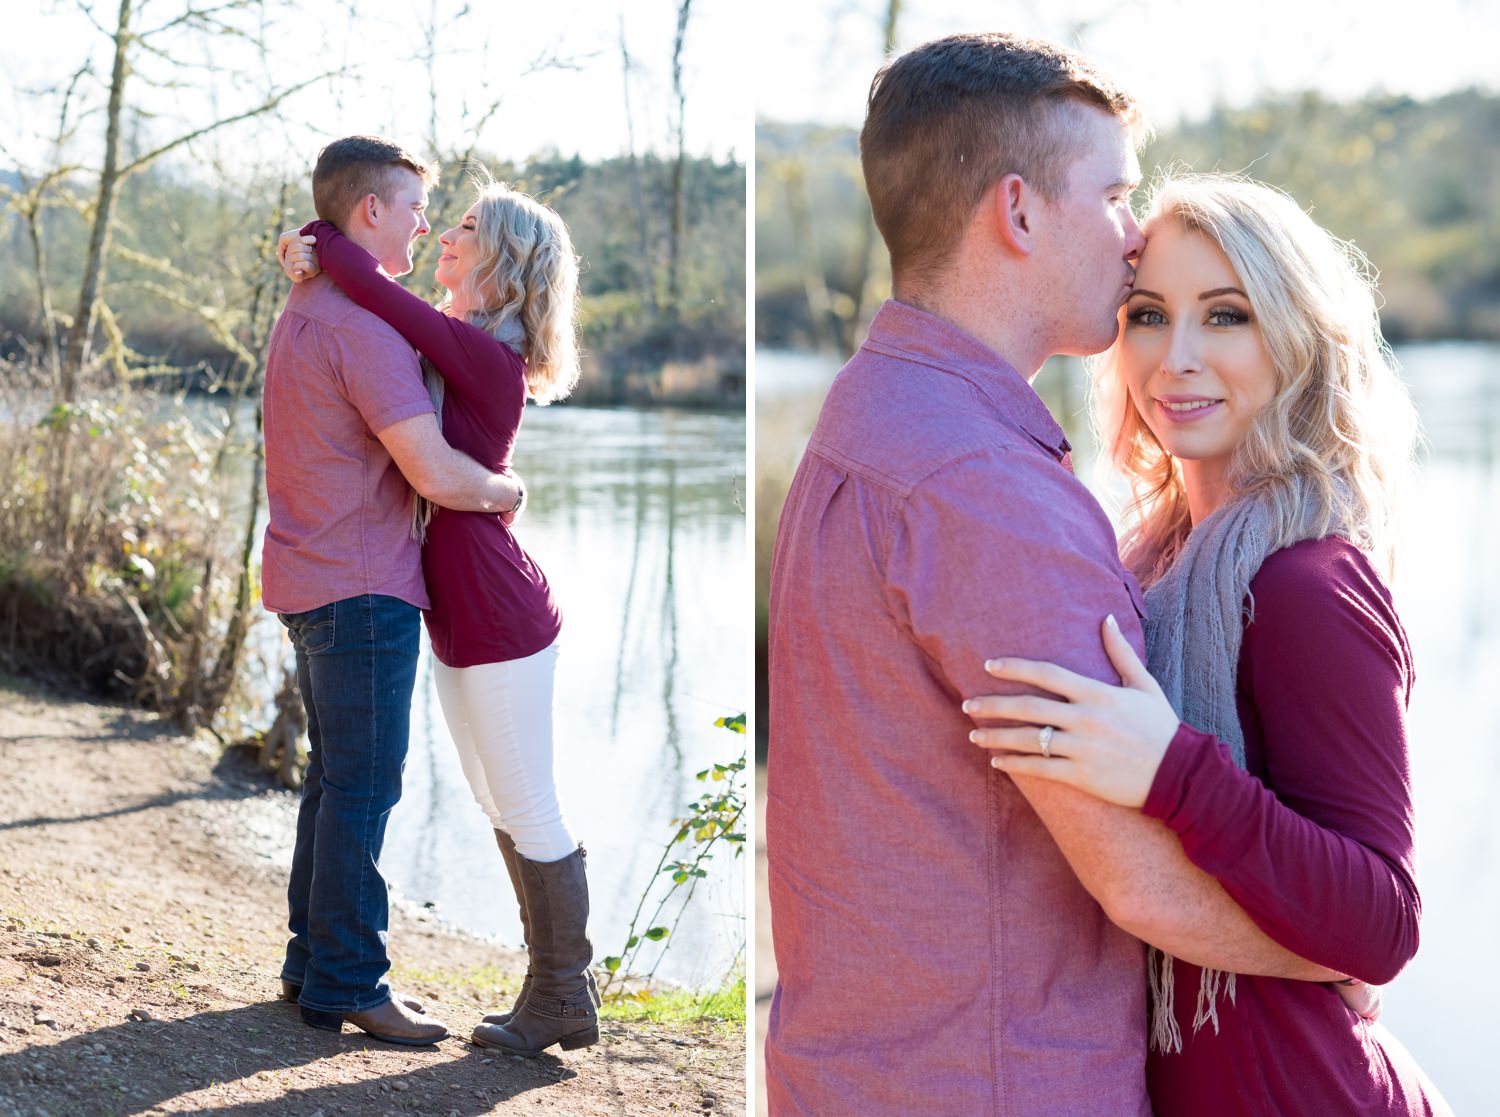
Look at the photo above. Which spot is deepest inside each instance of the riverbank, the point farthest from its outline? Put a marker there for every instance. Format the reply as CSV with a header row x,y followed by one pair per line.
x,y
141,911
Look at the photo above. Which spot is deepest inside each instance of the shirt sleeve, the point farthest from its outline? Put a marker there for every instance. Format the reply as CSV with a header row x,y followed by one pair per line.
x,y
458,350
1005,553
379,375
1322,854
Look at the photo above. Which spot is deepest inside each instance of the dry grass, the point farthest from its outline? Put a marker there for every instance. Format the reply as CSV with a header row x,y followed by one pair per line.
x,y
114,570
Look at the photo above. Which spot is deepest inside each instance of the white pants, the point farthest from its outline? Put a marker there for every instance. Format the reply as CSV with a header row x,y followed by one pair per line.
x,y
500,717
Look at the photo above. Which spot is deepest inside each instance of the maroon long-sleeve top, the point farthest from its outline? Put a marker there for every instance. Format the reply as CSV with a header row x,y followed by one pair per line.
x,y
1315,841
490,601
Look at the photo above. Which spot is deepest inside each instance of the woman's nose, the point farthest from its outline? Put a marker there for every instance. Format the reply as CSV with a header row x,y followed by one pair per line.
x,y
1182,357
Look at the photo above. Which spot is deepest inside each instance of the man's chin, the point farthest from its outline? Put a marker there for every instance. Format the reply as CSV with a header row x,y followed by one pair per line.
x,y
1096,342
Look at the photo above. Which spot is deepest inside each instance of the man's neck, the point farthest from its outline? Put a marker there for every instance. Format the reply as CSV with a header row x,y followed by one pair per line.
x,y
360,235
985,311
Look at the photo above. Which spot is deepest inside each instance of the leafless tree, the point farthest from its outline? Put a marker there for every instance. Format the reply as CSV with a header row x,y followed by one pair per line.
x,y
637,195
131,42
674,244
851,323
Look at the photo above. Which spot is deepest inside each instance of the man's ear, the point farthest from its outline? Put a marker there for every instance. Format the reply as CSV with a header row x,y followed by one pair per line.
x,y
367,211
1014,209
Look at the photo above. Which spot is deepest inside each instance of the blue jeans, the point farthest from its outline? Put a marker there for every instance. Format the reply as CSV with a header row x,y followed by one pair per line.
x,y
356,666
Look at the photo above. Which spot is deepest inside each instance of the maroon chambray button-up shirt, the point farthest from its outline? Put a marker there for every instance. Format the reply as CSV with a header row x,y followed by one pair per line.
x,y
340,510
936,955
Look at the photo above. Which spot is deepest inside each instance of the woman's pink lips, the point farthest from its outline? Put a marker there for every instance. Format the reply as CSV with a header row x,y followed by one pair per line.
x,y
1187,416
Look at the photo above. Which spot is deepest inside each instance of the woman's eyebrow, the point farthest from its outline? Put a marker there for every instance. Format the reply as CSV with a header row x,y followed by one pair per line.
x,y
1217,291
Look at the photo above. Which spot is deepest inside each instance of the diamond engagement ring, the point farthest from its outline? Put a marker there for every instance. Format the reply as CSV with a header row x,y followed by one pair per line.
x,y
1044,738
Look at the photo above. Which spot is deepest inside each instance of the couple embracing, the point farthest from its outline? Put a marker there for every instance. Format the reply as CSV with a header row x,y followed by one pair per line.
x,y
1040,843
389,430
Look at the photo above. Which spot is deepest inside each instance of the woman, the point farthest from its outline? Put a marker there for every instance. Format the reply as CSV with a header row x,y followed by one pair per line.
x,y
504,333
1251,402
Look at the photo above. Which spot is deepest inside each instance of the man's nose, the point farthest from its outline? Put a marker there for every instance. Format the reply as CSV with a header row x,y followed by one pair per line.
x,y
1135,239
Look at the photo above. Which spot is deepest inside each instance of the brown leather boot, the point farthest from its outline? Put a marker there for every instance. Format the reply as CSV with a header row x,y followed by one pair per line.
x,y
392,1022
559,1006
512,866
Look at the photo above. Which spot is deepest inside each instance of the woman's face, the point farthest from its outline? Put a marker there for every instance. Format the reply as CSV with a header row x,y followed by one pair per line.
x,y
1191,350
460,252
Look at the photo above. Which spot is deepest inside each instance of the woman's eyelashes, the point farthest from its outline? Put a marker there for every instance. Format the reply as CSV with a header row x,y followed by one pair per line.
x,y
1227,316
1222,316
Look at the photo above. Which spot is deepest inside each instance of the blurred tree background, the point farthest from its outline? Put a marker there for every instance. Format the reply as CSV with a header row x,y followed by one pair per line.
x,y
1415,184
183,250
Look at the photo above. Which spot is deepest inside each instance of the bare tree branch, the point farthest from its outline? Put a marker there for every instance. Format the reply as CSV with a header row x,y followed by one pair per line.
x,y
260,110
203,18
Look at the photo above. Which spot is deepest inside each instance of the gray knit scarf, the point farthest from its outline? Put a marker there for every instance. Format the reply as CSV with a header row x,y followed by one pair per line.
x,y
1196,613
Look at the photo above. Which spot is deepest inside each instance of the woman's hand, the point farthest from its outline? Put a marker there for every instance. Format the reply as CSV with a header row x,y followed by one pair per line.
x,y
1106,740
1361,999
299,259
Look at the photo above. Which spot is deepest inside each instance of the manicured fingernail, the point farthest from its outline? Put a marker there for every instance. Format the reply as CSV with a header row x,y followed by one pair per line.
x,y
995,762
1114,624
970,705
974,736
993,665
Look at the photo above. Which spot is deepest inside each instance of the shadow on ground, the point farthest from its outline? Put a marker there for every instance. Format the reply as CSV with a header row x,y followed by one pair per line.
x,y
138,1067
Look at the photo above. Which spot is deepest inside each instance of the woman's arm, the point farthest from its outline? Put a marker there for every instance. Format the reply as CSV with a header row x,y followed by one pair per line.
x,y
464,355
1322,856
1323,865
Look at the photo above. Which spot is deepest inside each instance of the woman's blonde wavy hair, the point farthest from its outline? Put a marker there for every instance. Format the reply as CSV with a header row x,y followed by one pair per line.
x,y
524,291
1338,437
527,273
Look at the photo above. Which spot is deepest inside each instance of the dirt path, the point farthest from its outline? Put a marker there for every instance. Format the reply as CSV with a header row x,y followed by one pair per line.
x,y
765,958
141,907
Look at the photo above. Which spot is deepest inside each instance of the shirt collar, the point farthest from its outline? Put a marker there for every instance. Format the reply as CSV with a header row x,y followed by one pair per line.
x,y
902,330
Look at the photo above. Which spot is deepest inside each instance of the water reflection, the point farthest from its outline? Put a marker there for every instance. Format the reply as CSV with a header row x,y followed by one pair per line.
x,y
1449,598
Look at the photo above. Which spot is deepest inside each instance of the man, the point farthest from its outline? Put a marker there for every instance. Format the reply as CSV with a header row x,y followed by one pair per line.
x,y
950,940
350,431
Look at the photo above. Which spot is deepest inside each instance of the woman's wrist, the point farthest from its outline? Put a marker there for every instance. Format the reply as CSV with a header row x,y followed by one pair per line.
x,y
1169,786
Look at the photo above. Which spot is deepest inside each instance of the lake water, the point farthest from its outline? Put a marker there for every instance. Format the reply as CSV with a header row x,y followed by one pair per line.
x,y
1449,597
636,518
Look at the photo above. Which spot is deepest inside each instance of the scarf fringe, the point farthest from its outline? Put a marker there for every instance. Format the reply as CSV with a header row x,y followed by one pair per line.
x,y
1166,1037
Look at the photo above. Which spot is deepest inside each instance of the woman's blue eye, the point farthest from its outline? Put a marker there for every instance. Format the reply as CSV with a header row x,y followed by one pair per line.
x,y
1227,316
1146,316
